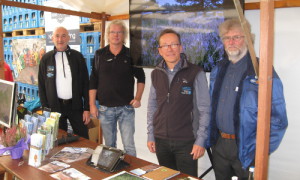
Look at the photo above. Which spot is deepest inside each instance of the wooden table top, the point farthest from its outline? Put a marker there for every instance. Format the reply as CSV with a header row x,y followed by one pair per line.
x,y
22,170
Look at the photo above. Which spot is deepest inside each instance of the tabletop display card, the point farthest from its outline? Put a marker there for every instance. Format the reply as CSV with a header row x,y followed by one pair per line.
x,y
36,147
161,173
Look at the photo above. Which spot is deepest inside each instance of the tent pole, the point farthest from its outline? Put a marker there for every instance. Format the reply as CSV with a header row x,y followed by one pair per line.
x,y
265,88
1,49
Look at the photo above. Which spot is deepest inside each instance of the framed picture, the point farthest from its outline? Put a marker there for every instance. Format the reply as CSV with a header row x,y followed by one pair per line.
x,y
7,103
196,21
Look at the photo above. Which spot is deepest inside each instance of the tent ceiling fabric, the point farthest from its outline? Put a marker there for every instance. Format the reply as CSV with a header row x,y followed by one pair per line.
x,y
111,7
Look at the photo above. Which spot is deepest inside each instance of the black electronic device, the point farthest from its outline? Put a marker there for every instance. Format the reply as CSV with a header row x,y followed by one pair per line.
x,y
107,159
68,139
8,103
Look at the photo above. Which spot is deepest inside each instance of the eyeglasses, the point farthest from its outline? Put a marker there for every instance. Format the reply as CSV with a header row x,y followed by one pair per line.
x,y
234,38
173,46
116,32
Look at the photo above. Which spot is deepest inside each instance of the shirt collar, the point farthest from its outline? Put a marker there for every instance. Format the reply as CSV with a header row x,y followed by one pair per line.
x,y
177,67
109,53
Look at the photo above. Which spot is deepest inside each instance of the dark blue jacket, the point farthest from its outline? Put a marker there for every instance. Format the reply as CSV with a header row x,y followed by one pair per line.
x,y
245,111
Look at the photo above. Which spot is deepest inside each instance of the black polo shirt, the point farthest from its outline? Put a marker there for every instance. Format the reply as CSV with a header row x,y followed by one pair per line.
x,y
113,77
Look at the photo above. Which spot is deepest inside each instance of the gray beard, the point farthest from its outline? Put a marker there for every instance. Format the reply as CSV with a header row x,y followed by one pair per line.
x,y
235,56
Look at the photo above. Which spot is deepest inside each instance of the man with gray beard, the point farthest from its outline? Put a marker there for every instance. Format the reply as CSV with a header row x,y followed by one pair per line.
x,y
234,99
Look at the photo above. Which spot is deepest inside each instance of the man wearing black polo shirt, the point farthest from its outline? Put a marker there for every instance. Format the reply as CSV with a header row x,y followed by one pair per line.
x,y
112,82
63,84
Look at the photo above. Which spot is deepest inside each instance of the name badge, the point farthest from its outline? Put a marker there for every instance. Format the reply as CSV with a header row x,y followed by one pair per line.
x,y
186,90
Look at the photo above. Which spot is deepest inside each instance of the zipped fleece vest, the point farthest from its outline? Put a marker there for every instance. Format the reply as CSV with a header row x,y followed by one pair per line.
x,y
173,117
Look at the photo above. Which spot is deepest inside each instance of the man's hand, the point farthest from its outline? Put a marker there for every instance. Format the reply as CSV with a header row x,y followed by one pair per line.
x,y
135,103
151,146
197,151
86,117
94,111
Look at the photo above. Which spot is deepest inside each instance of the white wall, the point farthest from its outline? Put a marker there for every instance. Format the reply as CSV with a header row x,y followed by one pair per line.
x,y
284,163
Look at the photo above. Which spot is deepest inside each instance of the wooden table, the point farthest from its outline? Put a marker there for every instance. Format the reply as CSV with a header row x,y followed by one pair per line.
x,y
22,170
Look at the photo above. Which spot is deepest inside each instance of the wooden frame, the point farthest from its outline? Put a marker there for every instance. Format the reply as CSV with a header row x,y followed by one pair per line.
x,y
277,4
101,16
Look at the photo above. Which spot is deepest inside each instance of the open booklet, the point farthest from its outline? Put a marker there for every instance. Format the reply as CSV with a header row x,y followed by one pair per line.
x,y
72,154
54,166
70,173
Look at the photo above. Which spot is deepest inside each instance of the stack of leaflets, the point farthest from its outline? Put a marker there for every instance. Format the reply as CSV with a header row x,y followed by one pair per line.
x,y
36,149
60,171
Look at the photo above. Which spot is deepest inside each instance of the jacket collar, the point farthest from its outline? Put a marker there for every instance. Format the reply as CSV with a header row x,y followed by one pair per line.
x,y
67,51
107,51
183,63
250,69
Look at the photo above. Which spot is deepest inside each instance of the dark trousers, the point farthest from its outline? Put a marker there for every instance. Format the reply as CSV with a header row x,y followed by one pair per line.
x,y
176,155
75,118
225,160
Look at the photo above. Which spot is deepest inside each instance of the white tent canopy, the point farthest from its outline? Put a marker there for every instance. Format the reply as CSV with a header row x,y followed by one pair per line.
x,y
111,7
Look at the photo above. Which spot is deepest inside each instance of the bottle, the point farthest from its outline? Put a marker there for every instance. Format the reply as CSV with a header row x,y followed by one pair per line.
x,y
251,173
234,178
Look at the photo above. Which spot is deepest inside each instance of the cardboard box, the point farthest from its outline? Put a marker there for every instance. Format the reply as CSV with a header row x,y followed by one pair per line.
x,y
94,128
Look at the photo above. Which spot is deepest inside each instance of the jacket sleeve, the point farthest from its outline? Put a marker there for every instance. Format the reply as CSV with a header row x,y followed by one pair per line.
x,y
152,107
248,119
212,127
93,84
42,75
201,109
85,84
279,121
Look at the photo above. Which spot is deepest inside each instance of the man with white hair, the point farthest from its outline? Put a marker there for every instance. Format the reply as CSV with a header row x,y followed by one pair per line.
x,y
63,84
112,84
234,95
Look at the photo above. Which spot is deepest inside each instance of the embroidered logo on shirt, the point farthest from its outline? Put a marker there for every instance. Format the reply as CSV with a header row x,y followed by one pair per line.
x,y
49,74
186,90
50,68
50,71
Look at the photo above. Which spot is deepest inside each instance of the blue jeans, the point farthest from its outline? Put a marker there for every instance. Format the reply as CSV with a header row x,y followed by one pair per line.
x,y
124,116
175,154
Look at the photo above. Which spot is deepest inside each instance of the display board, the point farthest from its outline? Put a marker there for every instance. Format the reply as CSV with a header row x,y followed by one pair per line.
x,y
27,53
196,21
